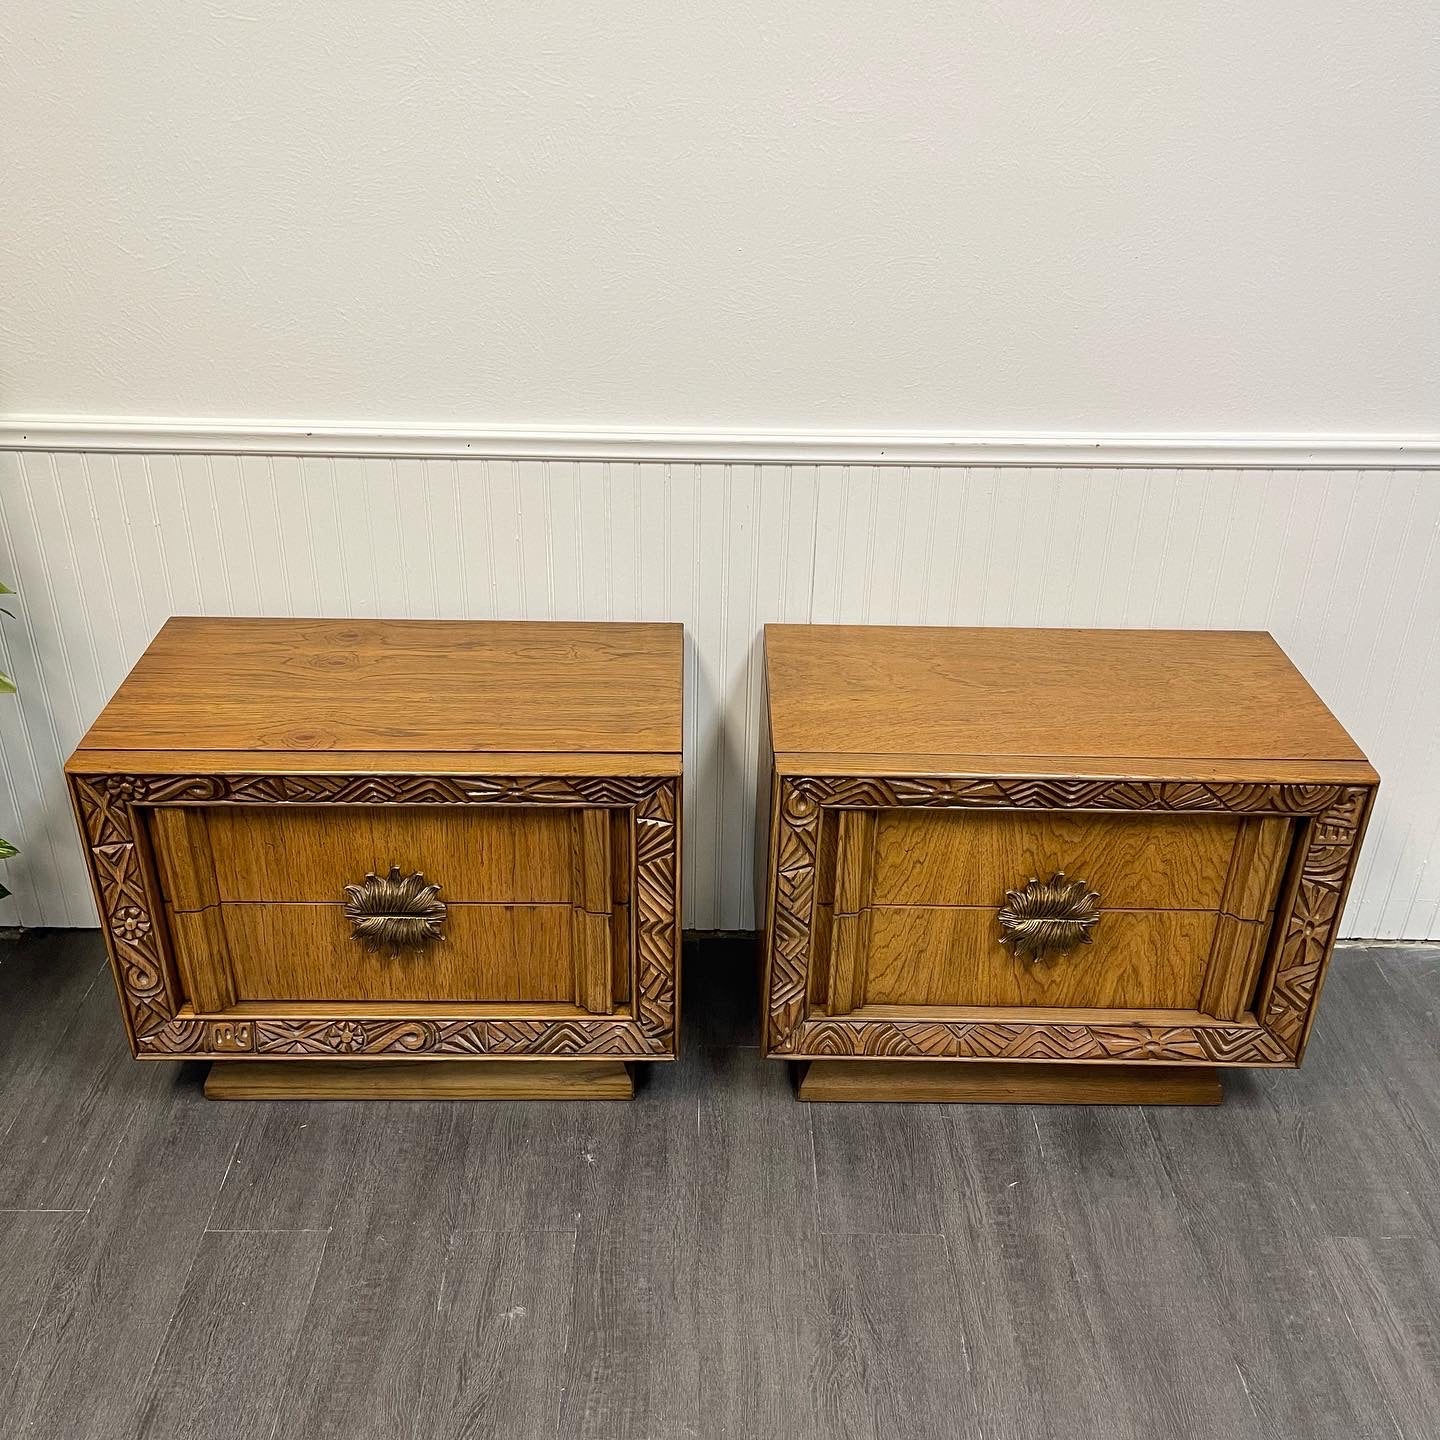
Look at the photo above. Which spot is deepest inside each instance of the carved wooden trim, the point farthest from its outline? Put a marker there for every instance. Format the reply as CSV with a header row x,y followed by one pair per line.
x,y
979,1040
132,916
1240,797
1335,816
367,1035
1307,933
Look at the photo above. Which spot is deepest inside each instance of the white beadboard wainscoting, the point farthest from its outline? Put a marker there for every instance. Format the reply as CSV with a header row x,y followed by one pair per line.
x,y
1340,564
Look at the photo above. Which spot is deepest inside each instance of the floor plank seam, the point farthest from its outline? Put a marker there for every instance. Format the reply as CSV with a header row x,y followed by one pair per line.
x,y
270,1230
881,1234
572,1231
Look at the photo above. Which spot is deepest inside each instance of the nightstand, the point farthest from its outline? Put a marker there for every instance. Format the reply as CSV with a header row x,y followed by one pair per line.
x,y
1047,865
392,858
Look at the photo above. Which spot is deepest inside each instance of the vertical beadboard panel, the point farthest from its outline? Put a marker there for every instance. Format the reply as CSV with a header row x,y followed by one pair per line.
x,y
1344,568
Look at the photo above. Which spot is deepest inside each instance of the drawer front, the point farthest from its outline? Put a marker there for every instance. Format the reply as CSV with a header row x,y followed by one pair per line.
x,y
307,853
959,908
488,953
397,904
936,955
1135,862
553,929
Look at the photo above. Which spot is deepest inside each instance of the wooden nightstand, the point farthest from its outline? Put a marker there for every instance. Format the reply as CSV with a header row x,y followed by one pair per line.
x,y
350,858
1047,865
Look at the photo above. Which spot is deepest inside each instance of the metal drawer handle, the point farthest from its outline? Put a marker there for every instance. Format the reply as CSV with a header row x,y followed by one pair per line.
x,y
1048,917
396,912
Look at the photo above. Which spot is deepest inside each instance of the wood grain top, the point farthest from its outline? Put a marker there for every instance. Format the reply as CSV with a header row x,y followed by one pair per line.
x,y
226,684
1102,695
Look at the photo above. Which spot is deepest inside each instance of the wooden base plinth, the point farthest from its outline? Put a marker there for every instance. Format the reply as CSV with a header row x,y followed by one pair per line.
x,y
998,1083
419,1080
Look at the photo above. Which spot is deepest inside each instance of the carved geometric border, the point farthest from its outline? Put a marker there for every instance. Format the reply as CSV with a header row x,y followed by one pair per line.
x,y
130,911
1334,816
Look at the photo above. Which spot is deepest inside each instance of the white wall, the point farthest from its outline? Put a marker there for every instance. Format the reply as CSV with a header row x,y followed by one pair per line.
x,y
1124,216
1343,566
455,229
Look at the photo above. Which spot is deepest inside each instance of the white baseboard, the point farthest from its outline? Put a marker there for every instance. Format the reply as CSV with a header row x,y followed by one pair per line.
x,y
747,447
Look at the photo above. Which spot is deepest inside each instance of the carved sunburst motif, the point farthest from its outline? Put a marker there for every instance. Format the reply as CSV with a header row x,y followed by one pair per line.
x,y
1048,917
395,912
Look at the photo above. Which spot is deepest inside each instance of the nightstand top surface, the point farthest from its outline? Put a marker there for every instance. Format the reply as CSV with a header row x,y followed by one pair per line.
x,y
216,684
848,694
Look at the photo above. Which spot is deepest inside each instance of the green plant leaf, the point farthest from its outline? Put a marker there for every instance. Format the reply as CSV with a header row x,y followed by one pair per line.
x,y
7,685
3,892
7,850
5,589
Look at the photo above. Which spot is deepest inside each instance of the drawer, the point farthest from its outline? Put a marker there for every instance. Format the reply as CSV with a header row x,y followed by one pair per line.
x,y
310,853
489,953
1136,862
996,908
371,904
935,955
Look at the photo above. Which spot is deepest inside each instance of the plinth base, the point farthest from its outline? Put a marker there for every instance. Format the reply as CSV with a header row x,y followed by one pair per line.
x,y
987,1082
419,1080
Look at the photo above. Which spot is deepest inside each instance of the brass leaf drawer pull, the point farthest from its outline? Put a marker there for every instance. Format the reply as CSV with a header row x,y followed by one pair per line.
x,y
395,912
1048,917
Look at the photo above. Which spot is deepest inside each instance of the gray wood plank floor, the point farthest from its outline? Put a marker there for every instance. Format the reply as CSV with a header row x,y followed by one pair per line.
x,y
715,1259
